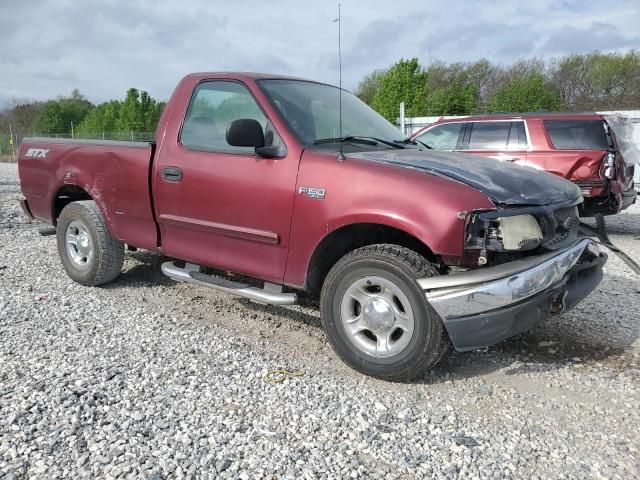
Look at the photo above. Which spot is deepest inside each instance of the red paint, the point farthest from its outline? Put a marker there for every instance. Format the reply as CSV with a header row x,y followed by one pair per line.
x,y
584,167
242,212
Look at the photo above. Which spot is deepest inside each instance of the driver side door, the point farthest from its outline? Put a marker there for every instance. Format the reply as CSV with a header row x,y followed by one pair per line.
x,y
219,205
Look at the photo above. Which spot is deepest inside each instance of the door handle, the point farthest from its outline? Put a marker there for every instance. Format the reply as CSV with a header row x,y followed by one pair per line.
x,y
171,174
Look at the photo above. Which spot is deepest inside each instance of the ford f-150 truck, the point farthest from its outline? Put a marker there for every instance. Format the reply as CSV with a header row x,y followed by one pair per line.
x,y
408,249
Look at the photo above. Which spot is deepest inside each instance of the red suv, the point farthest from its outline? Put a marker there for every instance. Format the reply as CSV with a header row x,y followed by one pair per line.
x,y
594,151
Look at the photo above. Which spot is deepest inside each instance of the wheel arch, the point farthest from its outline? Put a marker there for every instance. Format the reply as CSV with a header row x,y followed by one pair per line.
x,y
64,196
350,237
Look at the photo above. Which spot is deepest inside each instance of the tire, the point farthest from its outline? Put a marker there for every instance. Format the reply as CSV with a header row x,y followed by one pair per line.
x,y
381,279
89,254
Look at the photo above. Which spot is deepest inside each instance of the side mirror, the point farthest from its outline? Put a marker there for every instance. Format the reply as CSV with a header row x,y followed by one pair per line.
x,y
245,132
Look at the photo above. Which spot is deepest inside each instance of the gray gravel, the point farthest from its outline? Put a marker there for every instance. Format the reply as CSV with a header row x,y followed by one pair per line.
x,y
146,378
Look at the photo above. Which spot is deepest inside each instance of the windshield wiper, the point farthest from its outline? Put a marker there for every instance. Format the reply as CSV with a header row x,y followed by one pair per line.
x,y
359,139
416,142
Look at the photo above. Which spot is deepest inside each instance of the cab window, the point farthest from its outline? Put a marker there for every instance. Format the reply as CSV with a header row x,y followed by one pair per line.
x,y
214,105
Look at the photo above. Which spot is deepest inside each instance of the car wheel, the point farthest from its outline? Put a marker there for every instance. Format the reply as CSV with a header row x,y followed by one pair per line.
x,y
377,318
89,254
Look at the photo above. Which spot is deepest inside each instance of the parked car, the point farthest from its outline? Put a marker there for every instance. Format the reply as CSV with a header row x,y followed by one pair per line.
x,y
407,249
593,151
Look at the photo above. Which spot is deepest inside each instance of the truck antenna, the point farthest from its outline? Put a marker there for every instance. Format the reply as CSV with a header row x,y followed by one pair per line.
x,y
339,20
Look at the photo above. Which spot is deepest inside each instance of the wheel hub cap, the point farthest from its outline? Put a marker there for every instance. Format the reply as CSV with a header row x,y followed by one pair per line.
x,y
79,245
378,314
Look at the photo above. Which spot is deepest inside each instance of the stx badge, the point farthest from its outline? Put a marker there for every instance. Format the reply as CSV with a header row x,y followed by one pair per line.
x,y
313,192
36,153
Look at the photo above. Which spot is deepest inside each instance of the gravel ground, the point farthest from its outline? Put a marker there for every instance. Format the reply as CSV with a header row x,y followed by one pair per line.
x,y
146,378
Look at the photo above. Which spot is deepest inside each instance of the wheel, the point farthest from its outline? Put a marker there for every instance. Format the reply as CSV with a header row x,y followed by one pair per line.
x,y
89,254
376,316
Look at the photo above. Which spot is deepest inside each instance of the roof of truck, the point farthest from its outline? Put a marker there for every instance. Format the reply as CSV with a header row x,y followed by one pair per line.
x,y
246,75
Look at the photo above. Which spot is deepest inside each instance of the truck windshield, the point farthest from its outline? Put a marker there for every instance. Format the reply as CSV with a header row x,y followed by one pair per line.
x,y
312,111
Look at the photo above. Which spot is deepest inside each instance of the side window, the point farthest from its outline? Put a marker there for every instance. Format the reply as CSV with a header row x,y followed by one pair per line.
x,y
442,137
214,105
517,136
577,134
489,135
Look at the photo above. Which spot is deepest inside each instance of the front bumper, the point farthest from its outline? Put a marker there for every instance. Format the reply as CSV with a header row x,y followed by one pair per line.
x,y
482,307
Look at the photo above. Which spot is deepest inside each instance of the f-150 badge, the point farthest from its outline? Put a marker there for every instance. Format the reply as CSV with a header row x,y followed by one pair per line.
x,y
313,192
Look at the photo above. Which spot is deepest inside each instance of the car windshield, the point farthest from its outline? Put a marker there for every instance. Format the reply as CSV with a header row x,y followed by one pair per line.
x,y
312,110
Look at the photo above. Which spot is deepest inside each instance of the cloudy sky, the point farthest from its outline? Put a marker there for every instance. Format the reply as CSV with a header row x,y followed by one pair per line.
x,y
102,47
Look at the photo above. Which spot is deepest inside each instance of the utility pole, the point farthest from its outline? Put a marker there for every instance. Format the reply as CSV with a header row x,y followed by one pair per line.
x,y
13,150
71,128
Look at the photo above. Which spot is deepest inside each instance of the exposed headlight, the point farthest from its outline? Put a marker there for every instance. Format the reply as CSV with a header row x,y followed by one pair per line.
x,y
487,232
520,232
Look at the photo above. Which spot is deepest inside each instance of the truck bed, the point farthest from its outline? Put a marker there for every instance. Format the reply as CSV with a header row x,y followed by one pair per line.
x,y
113,173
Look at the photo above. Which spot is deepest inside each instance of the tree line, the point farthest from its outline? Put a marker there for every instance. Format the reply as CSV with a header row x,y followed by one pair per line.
x,y
75,115
581,82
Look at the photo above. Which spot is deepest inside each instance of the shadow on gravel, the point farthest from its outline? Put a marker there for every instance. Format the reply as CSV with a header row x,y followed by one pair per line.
x,y
525,353
295,315
145,273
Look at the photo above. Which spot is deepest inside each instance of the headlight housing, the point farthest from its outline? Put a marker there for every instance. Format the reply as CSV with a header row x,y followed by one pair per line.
x,y
505,233
520,232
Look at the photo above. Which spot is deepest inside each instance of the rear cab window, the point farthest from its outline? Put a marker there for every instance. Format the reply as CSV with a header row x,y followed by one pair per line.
x,y
577,134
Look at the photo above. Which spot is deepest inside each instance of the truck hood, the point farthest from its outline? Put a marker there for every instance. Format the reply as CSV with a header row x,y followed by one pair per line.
x,y
503,182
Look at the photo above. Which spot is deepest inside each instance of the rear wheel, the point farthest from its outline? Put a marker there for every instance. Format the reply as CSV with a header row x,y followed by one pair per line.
x,y
376,316
89,254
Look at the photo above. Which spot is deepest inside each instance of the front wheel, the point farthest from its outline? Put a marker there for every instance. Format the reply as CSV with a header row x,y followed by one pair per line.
x,y
89,254
377,318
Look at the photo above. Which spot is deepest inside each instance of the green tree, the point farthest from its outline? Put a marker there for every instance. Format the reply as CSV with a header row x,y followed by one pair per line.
x,y
139,112
454,99
58,115
131,116
598,81
103,118
369,85
51,120
529,93
404,82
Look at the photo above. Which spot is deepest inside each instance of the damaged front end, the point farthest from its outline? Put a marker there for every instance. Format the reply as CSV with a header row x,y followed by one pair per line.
x,y
531,263
503,235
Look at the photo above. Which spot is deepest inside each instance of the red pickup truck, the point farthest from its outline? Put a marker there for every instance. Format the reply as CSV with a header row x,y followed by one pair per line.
x,y
595,151
408,249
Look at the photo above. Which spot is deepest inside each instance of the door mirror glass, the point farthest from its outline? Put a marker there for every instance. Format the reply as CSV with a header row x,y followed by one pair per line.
x,y
245,132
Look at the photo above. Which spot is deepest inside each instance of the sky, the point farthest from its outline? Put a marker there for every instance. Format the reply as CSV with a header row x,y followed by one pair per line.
x,y
104,47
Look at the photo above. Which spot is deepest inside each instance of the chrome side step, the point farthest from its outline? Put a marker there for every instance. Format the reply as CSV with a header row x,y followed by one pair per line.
x,y
270,294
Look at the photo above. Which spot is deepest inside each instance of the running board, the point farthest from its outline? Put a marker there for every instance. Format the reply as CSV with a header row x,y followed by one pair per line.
x,y
270,294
